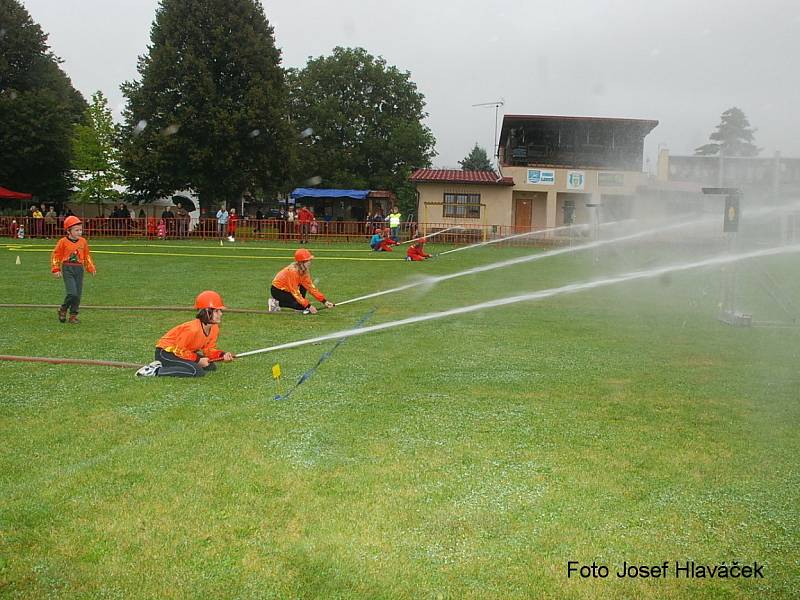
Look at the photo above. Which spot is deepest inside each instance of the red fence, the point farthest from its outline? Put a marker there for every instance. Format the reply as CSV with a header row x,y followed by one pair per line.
x,y
274,230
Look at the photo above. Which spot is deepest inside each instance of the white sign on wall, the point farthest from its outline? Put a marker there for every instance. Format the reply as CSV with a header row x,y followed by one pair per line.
x,y
541,176
575,180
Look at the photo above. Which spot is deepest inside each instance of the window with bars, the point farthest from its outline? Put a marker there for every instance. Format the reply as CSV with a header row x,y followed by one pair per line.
x,y
463,206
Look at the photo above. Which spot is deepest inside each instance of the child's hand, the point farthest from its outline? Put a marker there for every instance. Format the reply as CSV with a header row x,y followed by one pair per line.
x,y
228,357
329,304
203,362
57,274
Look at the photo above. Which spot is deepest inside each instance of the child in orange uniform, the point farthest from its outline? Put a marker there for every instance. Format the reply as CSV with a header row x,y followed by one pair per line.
x,y
291,284
68,259
415,251
189,349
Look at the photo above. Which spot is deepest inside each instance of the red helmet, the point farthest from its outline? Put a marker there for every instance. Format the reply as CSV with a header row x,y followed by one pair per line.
x,y
302,255
208,299
71,221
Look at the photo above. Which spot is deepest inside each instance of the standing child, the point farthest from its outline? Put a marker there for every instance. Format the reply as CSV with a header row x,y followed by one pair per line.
x,y
161,230
189,349
69,257
233,220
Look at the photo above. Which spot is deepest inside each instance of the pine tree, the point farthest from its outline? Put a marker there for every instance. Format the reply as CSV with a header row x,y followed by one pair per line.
x,y
733,136
210,110
38,109
476,160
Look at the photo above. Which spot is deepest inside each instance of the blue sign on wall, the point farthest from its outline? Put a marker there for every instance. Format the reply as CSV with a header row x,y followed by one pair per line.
x,y
541,176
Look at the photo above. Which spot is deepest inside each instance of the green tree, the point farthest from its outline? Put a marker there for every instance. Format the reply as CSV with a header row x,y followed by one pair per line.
x,y
95,154
38,109
210,110
733,137
476,160
364,122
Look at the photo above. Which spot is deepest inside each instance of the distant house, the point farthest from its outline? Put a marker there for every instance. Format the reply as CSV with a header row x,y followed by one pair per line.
x,y
758,177
551,168
679,182
450,196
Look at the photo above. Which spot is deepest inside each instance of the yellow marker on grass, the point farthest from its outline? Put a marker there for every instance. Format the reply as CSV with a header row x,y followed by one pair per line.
x,y
276,375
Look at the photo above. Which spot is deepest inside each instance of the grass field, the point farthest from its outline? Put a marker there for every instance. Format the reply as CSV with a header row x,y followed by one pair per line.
x,y
466,457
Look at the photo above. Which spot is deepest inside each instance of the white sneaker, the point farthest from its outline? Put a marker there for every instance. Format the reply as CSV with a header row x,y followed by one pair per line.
x,y
231,238
273,305
150,370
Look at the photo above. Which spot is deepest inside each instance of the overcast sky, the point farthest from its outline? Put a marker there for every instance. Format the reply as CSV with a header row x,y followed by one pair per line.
x,y
682,62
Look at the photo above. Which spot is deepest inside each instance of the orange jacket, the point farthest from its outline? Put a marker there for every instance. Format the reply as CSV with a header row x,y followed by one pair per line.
x,y
289,280
71,252
188,338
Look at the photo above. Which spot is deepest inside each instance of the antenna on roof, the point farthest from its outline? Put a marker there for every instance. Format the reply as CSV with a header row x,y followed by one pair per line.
x,y
497,104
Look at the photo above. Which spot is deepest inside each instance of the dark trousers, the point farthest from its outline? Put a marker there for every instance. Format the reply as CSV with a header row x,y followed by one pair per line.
x,y
175,366
73,282
286,300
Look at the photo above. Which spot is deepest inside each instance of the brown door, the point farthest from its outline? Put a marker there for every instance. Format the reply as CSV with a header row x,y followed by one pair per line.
x,y
523,210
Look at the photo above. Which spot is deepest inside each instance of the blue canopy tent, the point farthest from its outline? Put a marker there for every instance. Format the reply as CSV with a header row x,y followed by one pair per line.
x,y
332,204
328,193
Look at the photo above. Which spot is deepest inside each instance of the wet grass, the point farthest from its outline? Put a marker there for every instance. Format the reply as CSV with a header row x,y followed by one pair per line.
x,y
466,457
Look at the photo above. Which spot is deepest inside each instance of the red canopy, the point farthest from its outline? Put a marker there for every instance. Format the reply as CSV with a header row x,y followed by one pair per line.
x,y
6,193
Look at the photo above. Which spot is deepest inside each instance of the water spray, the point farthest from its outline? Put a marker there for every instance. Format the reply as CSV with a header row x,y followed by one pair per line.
x,y
427,237
540,295
528,258
511,237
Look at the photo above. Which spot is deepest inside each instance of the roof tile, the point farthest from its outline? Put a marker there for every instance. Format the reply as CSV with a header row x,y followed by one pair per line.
x,y
458,176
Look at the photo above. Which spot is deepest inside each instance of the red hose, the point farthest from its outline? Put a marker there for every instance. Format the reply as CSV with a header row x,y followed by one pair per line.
x,y
71,361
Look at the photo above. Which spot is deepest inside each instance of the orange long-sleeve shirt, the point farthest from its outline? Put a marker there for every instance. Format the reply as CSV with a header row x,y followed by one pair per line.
x,y
290,279
75,252
186,339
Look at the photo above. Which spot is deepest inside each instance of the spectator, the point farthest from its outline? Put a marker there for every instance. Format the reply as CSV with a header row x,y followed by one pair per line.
x,y
378,219
124,218
291,218
233,220
50,222
394,223
169,220
222,222
38,221
182,218
152,228
304,219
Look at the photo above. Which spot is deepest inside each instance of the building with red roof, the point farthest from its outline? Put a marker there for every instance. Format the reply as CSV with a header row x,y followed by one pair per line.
x,y
552,170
